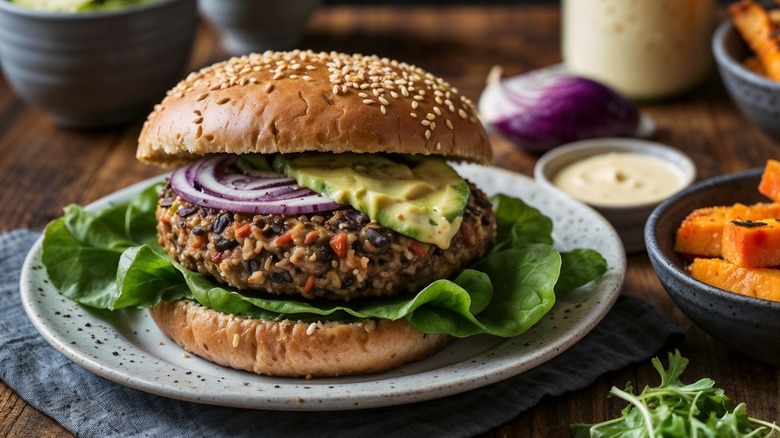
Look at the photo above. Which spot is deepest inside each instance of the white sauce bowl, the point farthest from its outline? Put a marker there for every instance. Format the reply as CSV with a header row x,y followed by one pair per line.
x,y
629,218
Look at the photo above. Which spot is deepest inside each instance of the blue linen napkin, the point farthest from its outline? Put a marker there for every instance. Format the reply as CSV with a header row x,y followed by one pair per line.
x,y
91,406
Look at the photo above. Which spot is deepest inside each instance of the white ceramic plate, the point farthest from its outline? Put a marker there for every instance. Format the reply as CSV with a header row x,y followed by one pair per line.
x,y
126,346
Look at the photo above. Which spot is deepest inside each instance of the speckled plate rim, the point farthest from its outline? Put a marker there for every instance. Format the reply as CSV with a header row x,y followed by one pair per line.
x,y
126,347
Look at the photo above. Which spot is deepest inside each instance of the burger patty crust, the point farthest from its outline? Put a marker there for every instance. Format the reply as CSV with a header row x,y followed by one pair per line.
x,y
338,254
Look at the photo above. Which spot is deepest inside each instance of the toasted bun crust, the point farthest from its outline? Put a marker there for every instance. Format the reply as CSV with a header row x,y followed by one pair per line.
x,y
294,349
299,101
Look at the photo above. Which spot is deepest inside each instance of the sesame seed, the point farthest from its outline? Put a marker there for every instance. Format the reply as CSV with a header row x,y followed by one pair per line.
x,y
430,116
201,97
383,101
437,110
404,91
394,94
236,339
363,95
269,87
433,125
198,120
368,101
418,97
223,101
311,67
278,75
293,76
414,115
382,108
438,146
307,78
462,113
199,131
427,134
426,122
449,124
336,89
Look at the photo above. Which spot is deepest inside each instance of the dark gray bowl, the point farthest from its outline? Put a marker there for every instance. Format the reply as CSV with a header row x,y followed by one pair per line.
x,y
282,28
749,325
96,68
757,97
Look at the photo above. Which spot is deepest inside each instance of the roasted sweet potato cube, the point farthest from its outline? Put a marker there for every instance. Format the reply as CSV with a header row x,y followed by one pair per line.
x,y
770,181
752,244
754,282
701,232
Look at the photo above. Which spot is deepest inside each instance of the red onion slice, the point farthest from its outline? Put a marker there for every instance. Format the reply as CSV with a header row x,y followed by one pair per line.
x,y
216,182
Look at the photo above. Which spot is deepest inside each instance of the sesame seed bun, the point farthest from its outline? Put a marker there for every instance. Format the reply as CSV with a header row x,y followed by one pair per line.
x,y
294,349
287,102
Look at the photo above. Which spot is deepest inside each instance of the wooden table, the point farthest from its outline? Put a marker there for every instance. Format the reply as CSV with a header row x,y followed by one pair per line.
x,y
43,168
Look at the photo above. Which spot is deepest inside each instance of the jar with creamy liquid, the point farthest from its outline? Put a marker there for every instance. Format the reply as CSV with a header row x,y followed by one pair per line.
x,y
645,49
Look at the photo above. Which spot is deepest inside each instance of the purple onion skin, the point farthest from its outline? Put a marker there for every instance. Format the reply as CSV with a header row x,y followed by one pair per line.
x,y
574,108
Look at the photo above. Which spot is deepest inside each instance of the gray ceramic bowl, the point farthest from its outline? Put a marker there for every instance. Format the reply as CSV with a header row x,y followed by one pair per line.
x,y
248,26
749,325
756,96
96,68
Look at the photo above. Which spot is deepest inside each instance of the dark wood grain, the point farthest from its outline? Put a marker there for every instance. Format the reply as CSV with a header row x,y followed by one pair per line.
x,y
43,168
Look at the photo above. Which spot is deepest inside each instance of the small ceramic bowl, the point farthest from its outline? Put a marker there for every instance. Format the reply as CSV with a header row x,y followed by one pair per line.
x,y
90,69
757,96
628,219
247,26
747,324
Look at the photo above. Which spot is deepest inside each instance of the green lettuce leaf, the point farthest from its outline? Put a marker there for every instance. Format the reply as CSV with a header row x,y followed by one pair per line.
x,y
111,260
578,268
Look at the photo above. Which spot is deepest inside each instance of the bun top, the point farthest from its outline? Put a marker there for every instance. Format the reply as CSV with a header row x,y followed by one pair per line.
x,y
300,101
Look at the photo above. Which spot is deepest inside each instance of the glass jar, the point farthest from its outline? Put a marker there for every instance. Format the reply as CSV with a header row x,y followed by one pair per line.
x,y
645,49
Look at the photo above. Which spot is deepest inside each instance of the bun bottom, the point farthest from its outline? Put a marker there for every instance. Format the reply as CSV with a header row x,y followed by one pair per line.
x,y
294,349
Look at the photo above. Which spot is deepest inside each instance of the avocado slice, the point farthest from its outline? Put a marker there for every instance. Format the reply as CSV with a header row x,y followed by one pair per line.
x,y
420,197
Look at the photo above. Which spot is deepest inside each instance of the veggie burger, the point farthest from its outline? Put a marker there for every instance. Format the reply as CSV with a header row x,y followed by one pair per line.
x,y
319,176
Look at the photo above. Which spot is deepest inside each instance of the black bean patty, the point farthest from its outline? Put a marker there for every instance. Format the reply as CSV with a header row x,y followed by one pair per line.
x,y
339,254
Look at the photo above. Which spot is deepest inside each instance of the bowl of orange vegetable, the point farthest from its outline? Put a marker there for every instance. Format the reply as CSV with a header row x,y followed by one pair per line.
x,y
712,248
748,58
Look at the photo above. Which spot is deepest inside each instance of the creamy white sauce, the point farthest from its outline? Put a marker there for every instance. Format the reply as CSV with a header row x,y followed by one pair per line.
x,y
620,178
